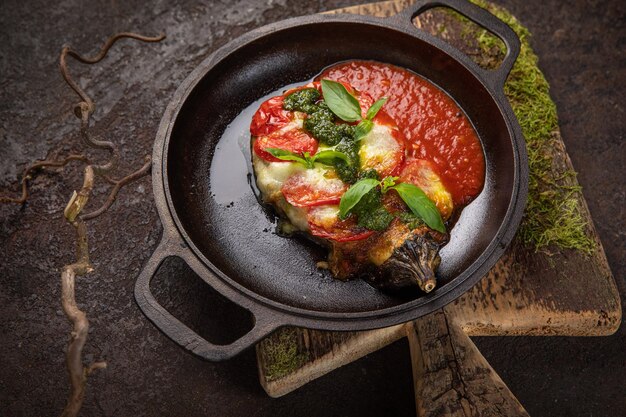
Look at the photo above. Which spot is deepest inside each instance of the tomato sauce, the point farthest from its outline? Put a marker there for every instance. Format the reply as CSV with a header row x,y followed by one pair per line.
x,y
434,126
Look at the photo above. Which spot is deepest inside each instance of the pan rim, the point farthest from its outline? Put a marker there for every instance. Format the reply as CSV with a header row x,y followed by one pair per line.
x,y
343,320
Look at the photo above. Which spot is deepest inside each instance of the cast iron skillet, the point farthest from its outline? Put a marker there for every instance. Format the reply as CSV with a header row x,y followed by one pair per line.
x,y
275,277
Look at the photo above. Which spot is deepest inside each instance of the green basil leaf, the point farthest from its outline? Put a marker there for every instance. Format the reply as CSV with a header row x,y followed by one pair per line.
x,y
287,155
327,157
340,101
354,195
308,159
387,183
373,110
420,205
362,129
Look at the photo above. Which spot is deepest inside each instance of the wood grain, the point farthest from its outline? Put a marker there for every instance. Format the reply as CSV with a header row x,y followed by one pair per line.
x,y
527,293
451,377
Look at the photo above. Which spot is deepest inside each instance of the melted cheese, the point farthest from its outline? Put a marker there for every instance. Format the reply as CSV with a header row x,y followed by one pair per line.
x,y
436,191
296,215
270,176
380,150
324,216
428,180
323,178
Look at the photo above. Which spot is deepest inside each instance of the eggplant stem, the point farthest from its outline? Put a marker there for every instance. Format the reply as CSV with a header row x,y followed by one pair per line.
x,y
429,285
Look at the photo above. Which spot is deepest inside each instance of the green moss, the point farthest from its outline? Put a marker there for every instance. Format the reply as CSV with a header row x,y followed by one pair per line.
x,y
282,354
554,217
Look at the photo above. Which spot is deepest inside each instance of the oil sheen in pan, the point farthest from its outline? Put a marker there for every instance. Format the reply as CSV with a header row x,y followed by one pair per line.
x,y
232,160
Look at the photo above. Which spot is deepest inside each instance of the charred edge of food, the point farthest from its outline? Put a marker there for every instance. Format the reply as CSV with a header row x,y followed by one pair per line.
x,y
412,264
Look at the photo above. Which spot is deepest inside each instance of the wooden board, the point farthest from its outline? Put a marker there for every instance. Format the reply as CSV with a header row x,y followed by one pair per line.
x,y
526,293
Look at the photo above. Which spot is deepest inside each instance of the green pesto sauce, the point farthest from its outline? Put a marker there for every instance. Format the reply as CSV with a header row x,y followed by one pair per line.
x,y
411,220
322,124
348,173
302,100
369,210
372,215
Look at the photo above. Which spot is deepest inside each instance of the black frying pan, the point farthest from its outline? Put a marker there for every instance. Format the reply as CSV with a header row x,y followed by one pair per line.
x,y
229,244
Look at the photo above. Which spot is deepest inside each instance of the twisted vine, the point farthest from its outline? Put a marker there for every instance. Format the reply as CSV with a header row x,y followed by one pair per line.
x,y
78,372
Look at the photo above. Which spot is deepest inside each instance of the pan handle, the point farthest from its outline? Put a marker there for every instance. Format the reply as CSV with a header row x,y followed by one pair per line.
x,y
481,17
174,328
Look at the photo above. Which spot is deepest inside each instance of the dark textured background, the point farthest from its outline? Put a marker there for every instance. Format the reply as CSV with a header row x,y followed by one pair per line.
x,y
581,48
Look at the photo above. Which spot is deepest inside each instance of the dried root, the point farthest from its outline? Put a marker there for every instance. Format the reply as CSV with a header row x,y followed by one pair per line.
x,y
77,371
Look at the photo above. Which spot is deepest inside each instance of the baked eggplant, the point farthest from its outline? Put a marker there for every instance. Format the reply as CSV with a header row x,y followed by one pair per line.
x,y
339,170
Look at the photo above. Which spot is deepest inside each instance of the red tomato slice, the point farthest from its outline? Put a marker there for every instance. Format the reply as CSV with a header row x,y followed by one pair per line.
x,y
270,117
311,188
324,222
295,140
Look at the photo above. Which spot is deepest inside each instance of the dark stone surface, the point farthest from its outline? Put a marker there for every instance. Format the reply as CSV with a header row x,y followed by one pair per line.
x,y
581,46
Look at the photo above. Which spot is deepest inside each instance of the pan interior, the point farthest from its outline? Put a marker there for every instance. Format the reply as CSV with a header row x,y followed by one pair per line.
x,y
210,179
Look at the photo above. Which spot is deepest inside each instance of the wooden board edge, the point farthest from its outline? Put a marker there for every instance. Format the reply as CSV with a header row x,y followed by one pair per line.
x,y
584,323
353,349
